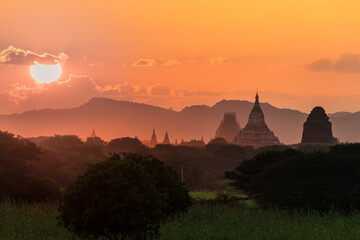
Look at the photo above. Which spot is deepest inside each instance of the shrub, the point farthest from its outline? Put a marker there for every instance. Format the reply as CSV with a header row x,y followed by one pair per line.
x,y
124,196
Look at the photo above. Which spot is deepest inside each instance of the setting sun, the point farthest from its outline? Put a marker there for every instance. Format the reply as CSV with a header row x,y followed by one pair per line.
x,y
45,73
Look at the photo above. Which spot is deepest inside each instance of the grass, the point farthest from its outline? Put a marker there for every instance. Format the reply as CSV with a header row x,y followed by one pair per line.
x,y
31,222
221,222
230,222
203,195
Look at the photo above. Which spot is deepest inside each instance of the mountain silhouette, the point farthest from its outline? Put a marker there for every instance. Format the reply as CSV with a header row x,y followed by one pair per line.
x,y
112,119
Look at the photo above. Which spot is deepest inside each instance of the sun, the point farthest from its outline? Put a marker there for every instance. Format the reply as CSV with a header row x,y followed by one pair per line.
x,y
45,73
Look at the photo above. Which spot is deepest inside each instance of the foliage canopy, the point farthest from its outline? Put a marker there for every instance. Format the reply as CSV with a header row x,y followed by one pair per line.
x,y
293,180
126,195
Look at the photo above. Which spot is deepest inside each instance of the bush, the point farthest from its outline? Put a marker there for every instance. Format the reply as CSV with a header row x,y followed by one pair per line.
x,y
124,196
316,181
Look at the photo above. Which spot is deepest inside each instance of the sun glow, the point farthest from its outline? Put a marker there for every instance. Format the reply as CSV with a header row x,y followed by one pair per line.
x,y
45,73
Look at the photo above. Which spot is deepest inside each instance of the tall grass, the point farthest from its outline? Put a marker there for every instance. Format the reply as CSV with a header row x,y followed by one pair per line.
x,y
230,222
30,222
201,222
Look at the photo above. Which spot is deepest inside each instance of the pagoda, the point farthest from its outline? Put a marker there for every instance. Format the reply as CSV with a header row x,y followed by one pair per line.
x,y
166,139
153,141
93,134
317,128
228,128
256,133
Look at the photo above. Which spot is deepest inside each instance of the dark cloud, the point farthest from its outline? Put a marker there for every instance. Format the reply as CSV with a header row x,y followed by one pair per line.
x,y
347,63
17,56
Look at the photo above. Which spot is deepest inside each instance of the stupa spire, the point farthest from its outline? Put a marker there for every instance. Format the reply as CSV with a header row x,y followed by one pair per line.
x,y
153,141
166,139
256,132
257,96
93,134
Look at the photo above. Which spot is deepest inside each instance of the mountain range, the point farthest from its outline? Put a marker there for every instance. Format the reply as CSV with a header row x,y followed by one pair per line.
x,y
113,119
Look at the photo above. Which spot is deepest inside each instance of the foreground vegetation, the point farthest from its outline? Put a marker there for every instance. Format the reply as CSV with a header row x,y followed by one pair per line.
x,y
230,221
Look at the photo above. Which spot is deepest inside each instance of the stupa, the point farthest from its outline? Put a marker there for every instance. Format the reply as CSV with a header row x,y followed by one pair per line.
x,y
166,139
228,127
256,133
317,128
153,141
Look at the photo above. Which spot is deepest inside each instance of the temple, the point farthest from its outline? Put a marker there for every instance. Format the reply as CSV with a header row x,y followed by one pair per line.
x,y
256,133
166,140
317,128
93,134
153,141
228,127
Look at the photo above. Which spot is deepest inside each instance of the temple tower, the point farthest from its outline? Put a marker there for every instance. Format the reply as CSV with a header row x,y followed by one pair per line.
x,y
256,132
93,134
228,127
317,128
153,141
166,139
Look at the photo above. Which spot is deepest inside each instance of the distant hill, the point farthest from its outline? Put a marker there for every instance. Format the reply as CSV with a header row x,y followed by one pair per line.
x,y
112,119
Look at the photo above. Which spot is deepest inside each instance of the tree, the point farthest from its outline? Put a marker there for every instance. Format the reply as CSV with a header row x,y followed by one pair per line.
x,y
292,180
126,195
126,144
218,140
16,180
242,175
63,143
16,152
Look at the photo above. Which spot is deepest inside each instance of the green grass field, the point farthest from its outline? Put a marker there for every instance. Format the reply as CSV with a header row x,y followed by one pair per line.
x,y
231,221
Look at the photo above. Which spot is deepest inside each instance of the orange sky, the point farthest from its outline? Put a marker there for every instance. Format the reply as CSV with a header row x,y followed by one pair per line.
x,y
179,53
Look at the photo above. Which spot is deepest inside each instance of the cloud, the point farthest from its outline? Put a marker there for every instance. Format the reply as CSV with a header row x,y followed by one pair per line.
x,y
98,64
20,93
144,63
142,90
171,62
160,90
347,63
220,61
75,90
193,61
79,87
199,93
17,56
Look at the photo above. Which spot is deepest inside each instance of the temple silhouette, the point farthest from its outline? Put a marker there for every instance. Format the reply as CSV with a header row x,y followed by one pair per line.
x,y
153,141
317,128
166,140
228,127
256,133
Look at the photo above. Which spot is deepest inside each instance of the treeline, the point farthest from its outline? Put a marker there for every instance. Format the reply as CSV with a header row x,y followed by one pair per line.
x,y
293,179
50,163
65,157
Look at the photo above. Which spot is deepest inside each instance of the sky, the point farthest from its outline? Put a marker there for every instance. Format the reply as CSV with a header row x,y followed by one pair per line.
x,y
298,53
